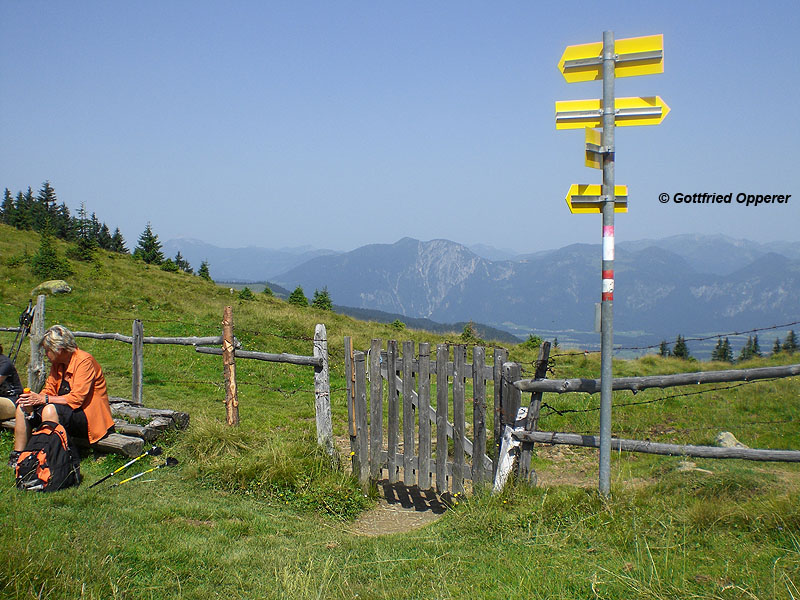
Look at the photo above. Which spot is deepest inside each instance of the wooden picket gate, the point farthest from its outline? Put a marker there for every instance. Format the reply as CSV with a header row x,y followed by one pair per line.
x,y
418,423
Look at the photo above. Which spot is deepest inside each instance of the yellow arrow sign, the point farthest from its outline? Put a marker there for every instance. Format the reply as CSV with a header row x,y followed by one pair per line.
x,y
576,114
594,148
634,56
583,198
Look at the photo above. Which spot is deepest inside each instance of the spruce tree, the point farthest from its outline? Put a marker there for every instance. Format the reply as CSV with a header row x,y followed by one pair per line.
x,y
790,344
203,273
755,349
680,350
7,212
322,300
747,350
64,225
727,352
717,353
43,208
46,264
776,347
118,242
149,248
23,210
297,297
267,291
182,263
85,245
663,349
104,237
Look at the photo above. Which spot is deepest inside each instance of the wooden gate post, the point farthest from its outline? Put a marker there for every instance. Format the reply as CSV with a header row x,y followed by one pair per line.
x,y
526,474
36,370
137,360
322,392
229,368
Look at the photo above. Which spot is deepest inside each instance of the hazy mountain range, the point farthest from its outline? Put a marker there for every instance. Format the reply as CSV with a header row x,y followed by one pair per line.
x,y
688,284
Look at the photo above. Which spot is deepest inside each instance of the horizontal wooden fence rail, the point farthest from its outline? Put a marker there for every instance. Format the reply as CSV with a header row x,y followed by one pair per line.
x,y
293,359
636,384
619,444
128,339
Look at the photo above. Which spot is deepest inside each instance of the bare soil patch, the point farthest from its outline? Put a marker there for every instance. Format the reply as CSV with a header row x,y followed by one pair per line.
x,y
399,509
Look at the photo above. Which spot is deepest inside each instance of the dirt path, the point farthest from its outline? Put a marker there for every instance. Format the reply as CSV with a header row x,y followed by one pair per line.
x,y
399,509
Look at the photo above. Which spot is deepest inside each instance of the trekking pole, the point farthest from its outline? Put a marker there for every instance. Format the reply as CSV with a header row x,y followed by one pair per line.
x,y
171,462
154,451
25,321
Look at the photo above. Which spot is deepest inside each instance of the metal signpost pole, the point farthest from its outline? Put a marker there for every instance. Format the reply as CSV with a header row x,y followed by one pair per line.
x,y
607,60
607,306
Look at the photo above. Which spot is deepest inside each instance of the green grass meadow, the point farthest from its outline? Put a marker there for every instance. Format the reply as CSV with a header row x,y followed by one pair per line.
x,y
258,512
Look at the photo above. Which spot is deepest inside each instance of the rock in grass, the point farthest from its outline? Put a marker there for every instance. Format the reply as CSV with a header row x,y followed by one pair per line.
x,y
54,286
726,439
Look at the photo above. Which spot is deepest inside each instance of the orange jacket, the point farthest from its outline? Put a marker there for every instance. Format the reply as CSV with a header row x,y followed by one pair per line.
x,y
87,391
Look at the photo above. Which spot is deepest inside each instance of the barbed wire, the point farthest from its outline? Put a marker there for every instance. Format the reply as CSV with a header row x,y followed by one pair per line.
x,y
739,426
565,411
692,339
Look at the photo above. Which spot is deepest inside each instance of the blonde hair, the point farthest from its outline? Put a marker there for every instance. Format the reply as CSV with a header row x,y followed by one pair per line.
x,y
59,338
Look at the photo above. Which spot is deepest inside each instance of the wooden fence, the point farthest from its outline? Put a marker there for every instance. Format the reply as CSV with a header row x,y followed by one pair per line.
x,y
419,437
525,431
37,372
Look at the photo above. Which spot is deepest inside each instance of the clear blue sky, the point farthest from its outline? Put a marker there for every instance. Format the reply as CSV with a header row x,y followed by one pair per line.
x,y
338,124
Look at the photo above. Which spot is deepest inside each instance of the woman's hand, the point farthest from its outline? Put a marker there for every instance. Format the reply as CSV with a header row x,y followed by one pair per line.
x,y
29,400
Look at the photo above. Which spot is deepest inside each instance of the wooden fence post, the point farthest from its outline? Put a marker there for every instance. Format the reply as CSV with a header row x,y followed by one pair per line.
x,y
36,370
322,392
229,368
526,474
137,360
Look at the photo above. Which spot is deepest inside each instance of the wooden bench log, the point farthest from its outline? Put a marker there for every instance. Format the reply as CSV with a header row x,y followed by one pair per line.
x,y
124,409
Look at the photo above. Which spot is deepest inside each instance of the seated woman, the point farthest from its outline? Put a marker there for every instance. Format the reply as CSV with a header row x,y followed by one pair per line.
x,y
74,394
10,387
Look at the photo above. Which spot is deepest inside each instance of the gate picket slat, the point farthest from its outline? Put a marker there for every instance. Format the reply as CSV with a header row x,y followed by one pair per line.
x,y
394,416
459,417
500,357
478,414
424,399
376,410
362,449
349,376
441,418
409,477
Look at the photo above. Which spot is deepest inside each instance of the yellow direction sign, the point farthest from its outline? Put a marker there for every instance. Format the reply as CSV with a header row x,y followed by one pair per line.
x,y
583,198
594,148
634,56
576,114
